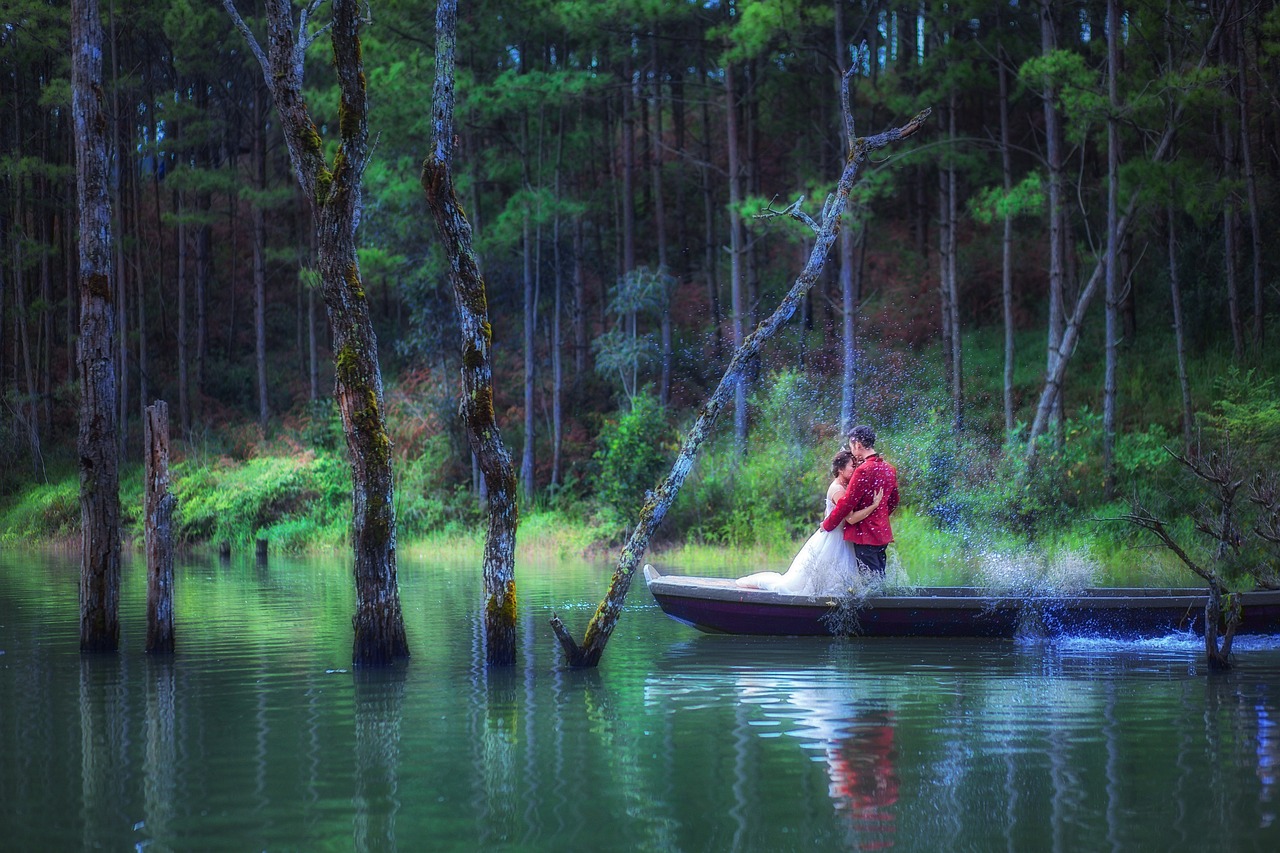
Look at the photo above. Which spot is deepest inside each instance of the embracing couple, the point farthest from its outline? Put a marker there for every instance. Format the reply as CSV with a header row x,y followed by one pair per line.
x,y
849,550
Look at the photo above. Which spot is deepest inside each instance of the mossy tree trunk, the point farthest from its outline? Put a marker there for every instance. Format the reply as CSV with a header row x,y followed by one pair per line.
x,y
334,193
96,439
589,651
158,504
477,377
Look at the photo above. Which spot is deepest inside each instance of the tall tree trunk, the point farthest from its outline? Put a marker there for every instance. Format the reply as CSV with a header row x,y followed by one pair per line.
x,y
118,176
660,218
580,344
853,251
1056,201
530,324
260,259
184,398
477,377
1113,253
334,193
605,619
1006,244
944,272
1229,237
956,380
1051,394
735,256
204,269
1250,183
710,260
96,439
1179,335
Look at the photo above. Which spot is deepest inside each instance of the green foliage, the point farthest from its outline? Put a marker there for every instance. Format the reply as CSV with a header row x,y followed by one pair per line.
x,y
635,451
1246,414
44,512
994,203
289,500
776,491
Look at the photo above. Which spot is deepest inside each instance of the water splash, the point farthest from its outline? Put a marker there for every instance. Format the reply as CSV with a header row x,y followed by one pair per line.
x,y
1033,571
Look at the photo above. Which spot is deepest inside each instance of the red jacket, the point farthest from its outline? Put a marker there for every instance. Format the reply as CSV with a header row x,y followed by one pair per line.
x,y
871,475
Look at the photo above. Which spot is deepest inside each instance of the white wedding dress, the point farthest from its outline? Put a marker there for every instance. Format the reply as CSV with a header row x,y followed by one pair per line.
x,y
826,565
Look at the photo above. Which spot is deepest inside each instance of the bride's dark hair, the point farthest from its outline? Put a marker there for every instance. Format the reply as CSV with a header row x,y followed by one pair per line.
x,y
841,459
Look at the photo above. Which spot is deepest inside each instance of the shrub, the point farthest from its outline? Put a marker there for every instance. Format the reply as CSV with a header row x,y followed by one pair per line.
x,y
635,451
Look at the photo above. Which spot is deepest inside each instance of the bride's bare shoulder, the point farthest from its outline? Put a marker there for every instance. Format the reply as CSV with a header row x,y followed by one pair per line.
x,y
835,491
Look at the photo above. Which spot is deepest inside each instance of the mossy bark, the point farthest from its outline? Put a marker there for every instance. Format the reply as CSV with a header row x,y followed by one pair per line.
x,y
477,377
96,438
158,530
605,618
334,191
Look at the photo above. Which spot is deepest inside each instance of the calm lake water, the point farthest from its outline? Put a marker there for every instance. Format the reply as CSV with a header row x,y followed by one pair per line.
x,y
258,735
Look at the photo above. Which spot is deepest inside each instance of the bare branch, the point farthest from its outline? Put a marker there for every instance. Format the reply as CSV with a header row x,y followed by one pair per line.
x,y
248,35
793,210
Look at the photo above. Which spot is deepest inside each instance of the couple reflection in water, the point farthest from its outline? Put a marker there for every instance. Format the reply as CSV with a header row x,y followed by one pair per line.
x,y
847,553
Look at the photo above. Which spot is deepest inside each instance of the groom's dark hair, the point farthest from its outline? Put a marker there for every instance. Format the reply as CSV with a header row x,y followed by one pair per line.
x,y
864,435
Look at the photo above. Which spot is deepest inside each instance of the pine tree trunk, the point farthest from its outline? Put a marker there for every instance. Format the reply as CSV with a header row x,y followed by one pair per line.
x,y
1250,184
260,260
530,315
184,399
96,440
852,237
735,258
1179,335
1006,246
1057,215
1112,256
1229,238
477,337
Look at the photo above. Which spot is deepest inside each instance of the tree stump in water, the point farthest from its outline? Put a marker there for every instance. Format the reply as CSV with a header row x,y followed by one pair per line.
x,y
158,526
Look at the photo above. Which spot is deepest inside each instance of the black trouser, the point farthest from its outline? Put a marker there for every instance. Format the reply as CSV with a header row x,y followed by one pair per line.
x,y
872,557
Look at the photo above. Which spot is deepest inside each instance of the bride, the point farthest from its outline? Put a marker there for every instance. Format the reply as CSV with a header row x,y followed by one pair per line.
x,y
826,564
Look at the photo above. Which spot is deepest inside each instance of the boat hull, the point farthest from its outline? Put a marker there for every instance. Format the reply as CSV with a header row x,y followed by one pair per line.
x,y
720,606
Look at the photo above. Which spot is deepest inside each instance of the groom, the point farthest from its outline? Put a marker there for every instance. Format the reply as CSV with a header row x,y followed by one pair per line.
x,y
871,535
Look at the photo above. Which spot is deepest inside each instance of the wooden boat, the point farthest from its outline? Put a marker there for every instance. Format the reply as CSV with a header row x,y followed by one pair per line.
x,y
720,606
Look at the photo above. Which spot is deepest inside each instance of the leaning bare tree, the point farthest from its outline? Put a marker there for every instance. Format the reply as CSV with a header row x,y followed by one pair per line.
x,y
1219,518
477,377
333,189
605,618
96,441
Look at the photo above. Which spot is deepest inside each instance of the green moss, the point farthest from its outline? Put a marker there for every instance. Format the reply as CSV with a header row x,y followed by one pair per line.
x,y
348,365
324,180
472,358
501,610
353,282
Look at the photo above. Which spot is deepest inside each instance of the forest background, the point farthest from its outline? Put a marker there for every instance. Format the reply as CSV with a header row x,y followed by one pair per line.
x,y
618,161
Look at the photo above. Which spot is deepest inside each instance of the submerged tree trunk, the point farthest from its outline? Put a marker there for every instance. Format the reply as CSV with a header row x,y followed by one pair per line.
x,y
158,512
589,651
477,337
334,193
96,440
